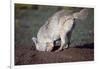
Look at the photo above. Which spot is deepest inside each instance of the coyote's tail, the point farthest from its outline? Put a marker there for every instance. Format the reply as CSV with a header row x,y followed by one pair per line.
x,y
82,14
34,40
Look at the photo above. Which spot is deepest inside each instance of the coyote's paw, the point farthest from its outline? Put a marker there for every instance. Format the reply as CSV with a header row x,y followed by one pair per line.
x,y
58,50
65,47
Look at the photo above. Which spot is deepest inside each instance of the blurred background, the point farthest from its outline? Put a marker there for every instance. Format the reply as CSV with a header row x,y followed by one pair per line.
x,y
29,18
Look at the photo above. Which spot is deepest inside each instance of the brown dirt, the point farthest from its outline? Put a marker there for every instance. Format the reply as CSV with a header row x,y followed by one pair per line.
x,y
25,55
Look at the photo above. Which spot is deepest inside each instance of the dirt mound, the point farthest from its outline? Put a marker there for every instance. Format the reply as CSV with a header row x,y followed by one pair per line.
x,y
25,55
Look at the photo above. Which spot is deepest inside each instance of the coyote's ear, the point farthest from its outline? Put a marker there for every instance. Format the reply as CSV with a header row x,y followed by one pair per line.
x,y
34,40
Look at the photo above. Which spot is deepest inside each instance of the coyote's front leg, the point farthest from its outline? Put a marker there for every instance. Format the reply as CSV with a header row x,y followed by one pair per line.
x,y
63,36
49,46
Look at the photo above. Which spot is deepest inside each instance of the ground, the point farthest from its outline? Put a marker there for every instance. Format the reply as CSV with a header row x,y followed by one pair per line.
x,y
25,55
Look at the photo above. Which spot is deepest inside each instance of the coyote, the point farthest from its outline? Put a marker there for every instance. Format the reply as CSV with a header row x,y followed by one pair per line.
x,y
57,27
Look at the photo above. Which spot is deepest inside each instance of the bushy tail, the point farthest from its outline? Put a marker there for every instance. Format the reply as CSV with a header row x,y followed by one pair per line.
x,y
82,14
34,40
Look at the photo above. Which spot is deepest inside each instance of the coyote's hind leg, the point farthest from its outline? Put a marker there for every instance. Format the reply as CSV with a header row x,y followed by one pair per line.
x,y
69,34
68,40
